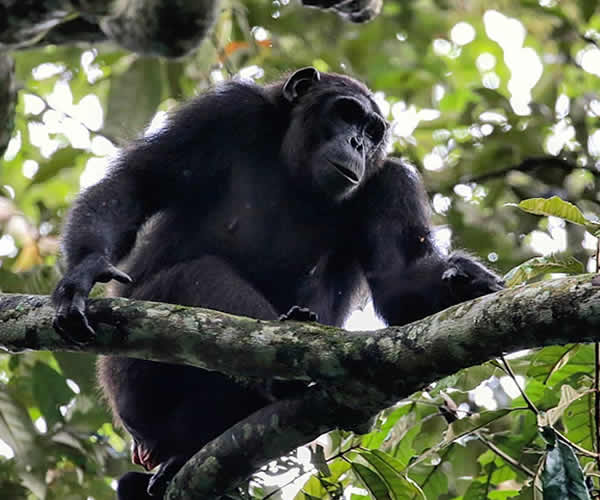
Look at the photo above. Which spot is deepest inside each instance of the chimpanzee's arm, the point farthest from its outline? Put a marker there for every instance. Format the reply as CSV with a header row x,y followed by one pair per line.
x,y
408,276
185,159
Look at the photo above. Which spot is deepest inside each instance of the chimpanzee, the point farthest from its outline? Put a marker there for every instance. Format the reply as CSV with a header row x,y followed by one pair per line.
x,y
255,201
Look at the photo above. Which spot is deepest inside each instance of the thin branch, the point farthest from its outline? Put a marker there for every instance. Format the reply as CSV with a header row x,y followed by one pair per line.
x,y
504,456
576,447
313,469
527,165
590,40
596,427
597,400
512,375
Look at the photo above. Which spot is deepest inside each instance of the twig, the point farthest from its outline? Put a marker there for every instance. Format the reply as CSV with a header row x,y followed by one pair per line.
x,y
291,481
512,375
597,377
504,456
341,454
527,165
576,447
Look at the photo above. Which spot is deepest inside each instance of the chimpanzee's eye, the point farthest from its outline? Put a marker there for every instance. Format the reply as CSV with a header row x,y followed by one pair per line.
x,y
375,129
349,110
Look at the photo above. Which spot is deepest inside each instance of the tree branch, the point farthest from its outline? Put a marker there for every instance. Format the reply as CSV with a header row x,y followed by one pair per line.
x,y
356,373
8,98
157,27
160,27
527,165
372,368
264,436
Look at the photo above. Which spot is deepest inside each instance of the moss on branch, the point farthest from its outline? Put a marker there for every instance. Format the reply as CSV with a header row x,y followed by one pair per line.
x,y
357,373
371,369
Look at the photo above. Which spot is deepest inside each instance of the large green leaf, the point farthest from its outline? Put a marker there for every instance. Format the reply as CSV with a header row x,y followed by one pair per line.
x,y
578,420
465,426
372,481
568,396
134,98
16,428
558,208
51,391
587,7
61,159
542,265
388,468
562,478
548,360
542,396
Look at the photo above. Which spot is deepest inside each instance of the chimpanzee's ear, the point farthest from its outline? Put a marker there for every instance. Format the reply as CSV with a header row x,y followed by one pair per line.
x,y
300,82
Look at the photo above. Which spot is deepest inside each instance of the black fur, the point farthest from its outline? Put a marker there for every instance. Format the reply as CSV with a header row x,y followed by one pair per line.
x,y
252,200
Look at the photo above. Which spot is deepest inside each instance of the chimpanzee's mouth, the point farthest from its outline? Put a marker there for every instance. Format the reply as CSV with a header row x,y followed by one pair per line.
x,y
349,174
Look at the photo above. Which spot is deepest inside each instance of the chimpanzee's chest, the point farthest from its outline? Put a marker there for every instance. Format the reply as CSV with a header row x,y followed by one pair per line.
x,y
277,235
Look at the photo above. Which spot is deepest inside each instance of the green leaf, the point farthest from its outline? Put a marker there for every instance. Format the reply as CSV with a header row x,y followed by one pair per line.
x,y
317,458
494,99
502,494
578,420
587,8
542,265
476,491
377,437
549,360
311,489
80,367
134,97
310,497
562,477
542,396
465,426
16,428
61,159
389,469
568,395
50,391
372,482
558,208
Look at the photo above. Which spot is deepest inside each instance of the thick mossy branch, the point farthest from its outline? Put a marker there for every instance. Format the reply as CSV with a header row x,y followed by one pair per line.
x,y
264,436
157,27
363,370
357,373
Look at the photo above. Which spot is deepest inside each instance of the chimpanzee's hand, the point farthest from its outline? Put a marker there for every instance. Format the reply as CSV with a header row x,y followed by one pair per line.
x,y
297,313
468,279
72,291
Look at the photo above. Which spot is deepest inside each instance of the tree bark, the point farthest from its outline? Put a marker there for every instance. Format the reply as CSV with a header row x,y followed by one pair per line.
x,y
356,373
361,368
8,100
157,27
